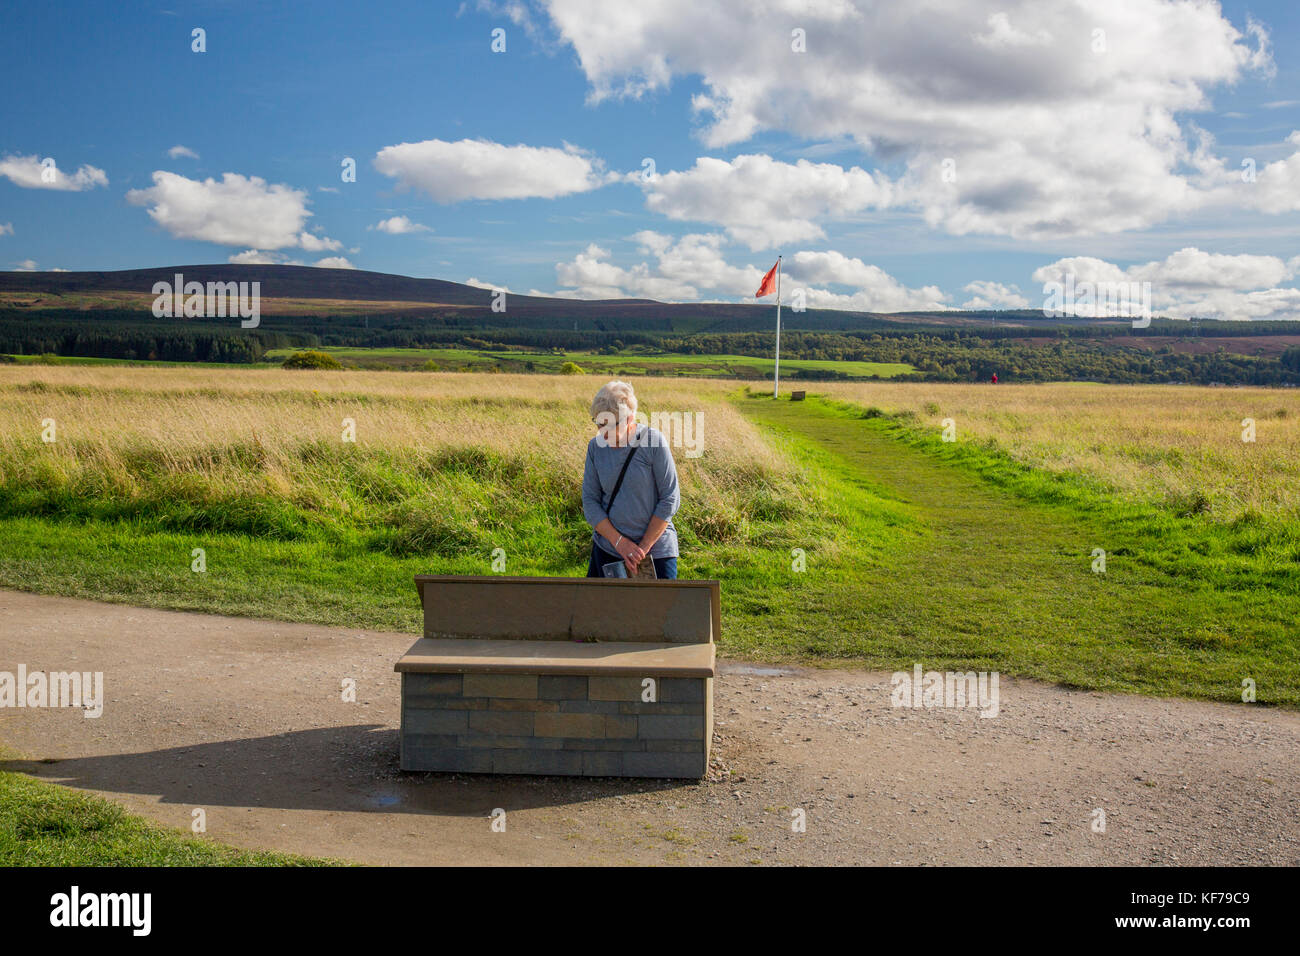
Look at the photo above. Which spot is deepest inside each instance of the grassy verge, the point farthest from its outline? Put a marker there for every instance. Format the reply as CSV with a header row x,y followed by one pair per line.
x,y
42,824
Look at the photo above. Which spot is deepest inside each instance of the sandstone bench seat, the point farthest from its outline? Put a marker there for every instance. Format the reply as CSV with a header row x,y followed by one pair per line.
x,y
617,659
571,676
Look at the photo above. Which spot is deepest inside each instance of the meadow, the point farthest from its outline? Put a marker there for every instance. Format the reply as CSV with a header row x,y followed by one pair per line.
x,y
626,362
1170,447
844,530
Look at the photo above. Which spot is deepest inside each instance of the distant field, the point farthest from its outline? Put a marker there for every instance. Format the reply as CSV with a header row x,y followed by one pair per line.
x,y
90,360
629,363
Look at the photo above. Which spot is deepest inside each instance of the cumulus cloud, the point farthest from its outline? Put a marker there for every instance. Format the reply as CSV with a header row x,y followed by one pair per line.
x,y
480,169
591,276
333,262
695,266
682,267
399,226
874,290
994,295
176,152
1271,188
256,257
763,202
32,172
27,265
233,211
1191,283
1011,117
6,228
481,284
314,243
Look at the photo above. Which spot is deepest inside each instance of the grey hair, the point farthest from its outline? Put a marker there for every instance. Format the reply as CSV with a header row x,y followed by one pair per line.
x,y
612,398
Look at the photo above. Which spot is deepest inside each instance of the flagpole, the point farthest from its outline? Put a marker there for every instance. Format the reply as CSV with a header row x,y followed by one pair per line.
x,y
776,372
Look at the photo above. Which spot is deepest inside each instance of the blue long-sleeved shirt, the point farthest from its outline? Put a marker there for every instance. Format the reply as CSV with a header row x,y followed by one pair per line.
x,y
649,489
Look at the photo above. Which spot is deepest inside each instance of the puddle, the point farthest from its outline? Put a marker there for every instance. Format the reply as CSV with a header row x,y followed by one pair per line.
x,y
383,800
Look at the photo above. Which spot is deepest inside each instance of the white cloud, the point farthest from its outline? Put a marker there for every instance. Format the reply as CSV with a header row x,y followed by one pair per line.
x,y
399,226
693,267
31,172
256,257
333,262
480,169
1052,130
763,202
27,265
1001,33
314,243
235,211
176,152
1192,283
994,295
682,267
480,284
6,228
1191,268
874,289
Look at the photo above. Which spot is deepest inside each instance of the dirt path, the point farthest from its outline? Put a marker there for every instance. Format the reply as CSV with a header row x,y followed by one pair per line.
x,y
245,719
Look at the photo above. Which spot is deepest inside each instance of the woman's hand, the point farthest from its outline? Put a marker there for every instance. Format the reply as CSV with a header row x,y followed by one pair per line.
x,y
632,553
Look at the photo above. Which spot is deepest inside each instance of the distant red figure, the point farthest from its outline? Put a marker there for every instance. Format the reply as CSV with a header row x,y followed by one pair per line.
x,y
995,378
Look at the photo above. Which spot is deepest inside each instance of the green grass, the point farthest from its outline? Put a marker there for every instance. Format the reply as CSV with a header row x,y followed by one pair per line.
x,y
952,555
1000,577
42,824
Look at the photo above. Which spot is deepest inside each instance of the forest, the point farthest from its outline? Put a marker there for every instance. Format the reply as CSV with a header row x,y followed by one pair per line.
x,y
971,353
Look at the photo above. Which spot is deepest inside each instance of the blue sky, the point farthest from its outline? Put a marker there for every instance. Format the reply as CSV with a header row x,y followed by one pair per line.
x,y
1067,157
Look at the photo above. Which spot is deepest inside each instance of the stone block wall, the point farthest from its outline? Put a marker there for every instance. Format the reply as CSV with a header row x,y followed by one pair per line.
x,y
555,724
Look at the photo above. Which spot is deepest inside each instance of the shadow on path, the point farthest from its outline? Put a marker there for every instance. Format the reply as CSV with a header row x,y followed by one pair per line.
x,y
350,768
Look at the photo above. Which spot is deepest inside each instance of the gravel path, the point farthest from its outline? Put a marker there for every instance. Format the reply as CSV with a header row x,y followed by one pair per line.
x,y
245,719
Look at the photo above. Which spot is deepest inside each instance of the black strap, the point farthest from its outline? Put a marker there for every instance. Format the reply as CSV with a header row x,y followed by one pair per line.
x,y
619,484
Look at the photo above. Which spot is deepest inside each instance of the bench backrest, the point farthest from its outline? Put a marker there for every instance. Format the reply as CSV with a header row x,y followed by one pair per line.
x,y
578,609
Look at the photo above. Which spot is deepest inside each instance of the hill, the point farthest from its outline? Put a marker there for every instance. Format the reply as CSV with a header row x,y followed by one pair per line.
x,y
309,290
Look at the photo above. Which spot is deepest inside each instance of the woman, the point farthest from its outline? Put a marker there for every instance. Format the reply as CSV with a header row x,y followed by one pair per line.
x,y
633,519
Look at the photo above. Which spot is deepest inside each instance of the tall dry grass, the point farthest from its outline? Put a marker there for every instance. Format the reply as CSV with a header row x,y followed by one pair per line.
x,y
437,458
1163,444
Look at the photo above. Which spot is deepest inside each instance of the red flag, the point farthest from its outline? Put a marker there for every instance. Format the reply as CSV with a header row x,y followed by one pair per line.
x,y
769,283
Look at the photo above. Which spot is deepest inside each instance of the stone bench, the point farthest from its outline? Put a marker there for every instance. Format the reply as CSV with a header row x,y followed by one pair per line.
x,y
605,677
